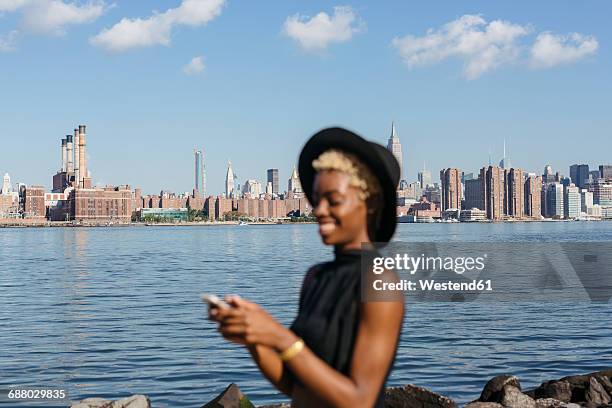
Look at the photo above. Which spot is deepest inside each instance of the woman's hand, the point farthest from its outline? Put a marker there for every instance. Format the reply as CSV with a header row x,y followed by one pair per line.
x,y
249,324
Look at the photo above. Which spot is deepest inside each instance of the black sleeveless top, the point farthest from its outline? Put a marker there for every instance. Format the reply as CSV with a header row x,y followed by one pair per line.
x,y
329,311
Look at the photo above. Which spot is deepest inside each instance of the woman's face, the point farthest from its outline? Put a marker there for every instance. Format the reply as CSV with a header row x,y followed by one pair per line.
x,y
340,212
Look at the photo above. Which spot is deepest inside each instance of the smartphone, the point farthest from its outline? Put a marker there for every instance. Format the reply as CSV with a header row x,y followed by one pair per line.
x,y
214,301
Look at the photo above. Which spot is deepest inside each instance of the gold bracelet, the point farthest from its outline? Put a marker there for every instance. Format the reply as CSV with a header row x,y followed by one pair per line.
x,y
292,351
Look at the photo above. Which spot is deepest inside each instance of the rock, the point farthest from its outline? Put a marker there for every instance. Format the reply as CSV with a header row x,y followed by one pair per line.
x,y
135,401
283,405
411,396
549,403
92,403
512,397
606,382
231,397
560,390
596,393
480,404
492,391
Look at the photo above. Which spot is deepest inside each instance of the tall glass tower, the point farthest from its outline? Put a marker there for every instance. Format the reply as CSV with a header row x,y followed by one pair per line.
x,y
200,173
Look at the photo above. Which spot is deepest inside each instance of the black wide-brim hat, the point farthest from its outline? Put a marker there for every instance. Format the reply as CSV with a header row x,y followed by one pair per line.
x,y
379,160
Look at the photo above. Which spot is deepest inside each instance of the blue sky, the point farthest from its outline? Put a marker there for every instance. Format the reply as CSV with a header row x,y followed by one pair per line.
x,y
276,71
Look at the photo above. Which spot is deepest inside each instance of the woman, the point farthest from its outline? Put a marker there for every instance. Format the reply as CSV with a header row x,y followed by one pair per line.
x,y
340,348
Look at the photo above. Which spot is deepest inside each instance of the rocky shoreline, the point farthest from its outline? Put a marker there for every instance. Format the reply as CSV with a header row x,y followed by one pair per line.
x,y
592,390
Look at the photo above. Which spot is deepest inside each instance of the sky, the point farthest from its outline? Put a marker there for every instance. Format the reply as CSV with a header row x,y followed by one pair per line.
x,y
250,82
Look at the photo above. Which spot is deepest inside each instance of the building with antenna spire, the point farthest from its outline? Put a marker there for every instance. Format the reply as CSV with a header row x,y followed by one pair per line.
x,y
395,147
229,181
504,163
424,177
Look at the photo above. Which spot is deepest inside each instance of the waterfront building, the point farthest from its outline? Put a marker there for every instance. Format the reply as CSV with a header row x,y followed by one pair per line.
x,y
554,198
34,204
229,181
9,199
533,196
605,172
273,178
579,174
571,202
586,200
514,195
101,205
472,215
602,193
210,208
223,205
425,209
472,194
163,214
395,147
450,179
493,191
276,209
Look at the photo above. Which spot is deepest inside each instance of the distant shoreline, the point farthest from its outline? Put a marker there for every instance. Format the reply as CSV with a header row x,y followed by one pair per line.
x,y
29,223
62,224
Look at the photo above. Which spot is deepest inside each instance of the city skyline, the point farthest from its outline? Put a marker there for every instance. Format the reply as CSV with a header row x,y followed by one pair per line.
x,y
70,148
255,95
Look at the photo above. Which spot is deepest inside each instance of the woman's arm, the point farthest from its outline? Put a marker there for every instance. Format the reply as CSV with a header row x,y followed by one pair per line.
x,y
373,352
272,367
372,356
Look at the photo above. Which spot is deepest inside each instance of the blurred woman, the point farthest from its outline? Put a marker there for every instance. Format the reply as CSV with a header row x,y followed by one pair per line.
x,y
340,349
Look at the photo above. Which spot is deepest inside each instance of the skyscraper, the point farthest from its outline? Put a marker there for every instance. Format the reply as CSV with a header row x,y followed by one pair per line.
x,y
229,181
200,173
533,196
504,163
451,189
293,184
571,202
579,173
395,147
424,177
515,190
473,194
6,184
605,172
493,191
554,200
273,178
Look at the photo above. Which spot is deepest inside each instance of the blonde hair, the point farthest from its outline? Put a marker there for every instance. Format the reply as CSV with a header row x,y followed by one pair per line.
x,y
360,176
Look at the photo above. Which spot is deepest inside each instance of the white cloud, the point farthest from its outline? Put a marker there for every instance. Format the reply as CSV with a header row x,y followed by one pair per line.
x,y
52,16
195,66
318,32
550,49
7,42
482,46
12,5
130,33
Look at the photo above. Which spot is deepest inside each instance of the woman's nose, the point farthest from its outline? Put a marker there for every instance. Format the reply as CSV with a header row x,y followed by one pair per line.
x,y
321,209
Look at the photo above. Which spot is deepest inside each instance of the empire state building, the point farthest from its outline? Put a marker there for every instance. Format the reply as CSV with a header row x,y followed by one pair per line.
x,y
395,147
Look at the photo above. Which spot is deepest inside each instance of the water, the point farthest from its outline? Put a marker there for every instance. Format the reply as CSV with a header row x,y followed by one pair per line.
x,y
115,311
